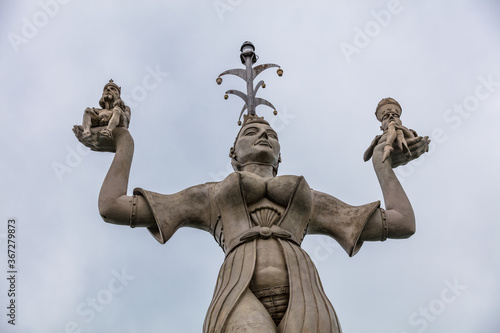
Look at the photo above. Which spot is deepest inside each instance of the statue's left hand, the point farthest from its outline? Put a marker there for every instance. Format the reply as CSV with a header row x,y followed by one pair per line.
x,y
417,146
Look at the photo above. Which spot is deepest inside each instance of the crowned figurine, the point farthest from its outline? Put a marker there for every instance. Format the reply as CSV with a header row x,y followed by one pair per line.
x,y
98,124
388,112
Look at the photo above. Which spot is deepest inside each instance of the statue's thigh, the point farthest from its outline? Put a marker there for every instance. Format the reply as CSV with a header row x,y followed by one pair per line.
x,y
94,119
250,316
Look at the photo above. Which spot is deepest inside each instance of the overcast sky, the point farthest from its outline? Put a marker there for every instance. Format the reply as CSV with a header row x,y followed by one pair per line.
x,y
76,273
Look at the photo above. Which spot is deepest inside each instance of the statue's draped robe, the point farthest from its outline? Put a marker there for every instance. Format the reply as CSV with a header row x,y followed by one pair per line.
x,y
221,209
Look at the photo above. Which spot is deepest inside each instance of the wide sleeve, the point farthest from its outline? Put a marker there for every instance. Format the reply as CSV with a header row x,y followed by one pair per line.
x,y
188,208
343,222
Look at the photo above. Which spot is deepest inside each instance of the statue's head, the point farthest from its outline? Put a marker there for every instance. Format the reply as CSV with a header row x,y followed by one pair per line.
x,y
388,110
388,107
256,143
110,93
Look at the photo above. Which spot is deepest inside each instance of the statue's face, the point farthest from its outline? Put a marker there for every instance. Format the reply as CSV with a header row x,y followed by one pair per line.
x,y
257,143
390,113
111,93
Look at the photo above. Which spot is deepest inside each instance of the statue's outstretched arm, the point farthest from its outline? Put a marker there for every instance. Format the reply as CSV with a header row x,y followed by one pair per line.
x,y
399,212
114,204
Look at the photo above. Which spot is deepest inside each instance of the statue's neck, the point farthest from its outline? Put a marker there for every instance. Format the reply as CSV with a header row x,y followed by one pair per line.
x,y
263,170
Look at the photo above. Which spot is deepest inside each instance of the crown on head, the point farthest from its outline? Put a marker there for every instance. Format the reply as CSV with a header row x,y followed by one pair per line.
x,y
253,118
386,101
248,58
112,83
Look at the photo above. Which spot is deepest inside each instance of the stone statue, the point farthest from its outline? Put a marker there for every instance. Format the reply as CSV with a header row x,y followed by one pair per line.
x,y
394,133
98,124
267,282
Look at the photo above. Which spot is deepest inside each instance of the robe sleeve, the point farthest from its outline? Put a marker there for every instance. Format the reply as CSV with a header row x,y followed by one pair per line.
x,y
343,222
188,208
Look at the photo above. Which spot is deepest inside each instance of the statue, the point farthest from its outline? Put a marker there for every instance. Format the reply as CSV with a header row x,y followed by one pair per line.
x,y
395,134
267,282
98,124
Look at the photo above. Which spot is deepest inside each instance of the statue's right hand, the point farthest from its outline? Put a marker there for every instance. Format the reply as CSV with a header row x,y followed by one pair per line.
x,y
100,139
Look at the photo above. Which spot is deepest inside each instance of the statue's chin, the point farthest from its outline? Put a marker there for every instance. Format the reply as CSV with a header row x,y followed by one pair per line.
x,y
109,98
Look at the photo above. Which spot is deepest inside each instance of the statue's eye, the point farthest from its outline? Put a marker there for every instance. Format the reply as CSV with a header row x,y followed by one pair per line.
x,y
272,135
250,133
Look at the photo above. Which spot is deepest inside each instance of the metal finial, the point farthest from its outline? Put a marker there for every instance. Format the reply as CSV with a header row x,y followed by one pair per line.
x,y
248,58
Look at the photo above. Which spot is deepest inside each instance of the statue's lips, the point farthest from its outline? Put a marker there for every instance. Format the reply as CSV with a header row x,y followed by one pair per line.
x,y
263,143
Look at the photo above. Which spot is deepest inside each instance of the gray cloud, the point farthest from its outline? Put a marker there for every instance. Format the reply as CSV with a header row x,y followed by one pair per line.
x,y
430,58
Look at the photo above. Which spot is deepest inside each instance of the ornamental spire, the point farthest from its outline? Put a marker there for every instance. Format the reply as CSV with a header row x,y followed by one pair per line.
x,y
248,58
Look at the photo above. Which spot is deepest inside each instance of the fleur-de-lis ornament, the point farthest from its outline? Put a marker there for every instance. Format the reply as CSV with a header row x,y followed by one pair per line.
x,y
248,58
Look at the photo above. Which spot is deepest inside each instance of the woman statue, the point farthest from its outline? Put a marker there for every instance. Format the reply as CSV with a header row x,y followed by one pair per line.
x,y
267,283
